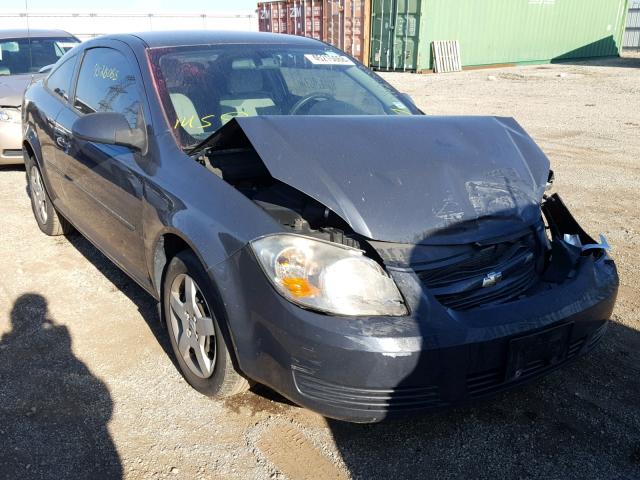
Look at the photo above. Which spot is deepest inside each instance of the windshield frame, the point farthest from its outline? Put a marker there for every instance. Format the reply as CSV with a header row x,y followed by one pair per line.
x,y
188,142
34,70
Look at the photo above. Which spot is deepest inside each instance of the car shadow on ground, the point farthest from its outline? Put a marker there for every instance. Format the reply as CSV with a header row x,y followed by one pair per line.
x,y
12,168
53,411
146,305
582,421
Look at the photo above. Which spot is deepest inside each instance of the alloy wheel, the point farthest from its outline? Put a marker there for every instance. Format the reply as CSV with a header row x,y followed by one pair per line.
x,y
38,194
192,326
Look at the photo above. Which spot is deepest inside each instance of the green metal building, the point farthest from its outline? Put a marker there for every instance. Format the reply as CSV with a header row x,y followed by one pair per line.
x,y
494,31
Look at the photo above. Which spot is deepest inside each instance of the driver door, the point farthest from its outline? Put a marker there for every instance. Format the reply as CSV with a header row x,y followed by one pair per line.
x,y
105,189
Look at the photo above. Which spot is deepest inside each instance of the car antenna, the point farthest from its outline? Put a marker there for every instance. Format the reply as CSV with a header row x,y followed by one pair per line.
x,y
26,13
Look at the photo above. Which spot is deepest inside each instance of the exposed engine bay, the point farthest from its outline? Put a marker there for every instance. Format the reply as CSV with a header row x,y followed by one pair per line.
x,y
243,169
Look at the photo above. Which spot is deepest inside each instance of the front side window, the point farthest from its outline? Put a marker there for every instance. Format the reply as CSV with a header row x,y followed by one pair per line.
x,y
19,56
203,87
108,83
59,81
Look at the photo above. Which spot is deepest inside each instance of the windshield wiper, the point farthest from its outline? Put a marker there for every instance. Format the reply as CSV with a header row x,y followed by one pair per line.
x,y
198,147
229,135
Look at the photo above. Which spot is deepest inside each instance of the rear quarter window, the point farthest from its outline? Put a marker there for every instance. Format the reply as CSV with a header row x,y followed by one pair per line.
x,y
60,80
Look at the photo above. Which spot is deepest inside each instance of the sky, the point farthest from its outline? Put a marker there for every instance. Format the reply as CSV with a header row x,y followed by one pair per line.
x,y
150,6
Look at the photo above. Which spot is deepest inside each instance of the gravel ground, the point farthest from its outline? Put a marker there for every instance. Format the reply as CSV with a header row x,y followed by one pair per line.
x,y
87,389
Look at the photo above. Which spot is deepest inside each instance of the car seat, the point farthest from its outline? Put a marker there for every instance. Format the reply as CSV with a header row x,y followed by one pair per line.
x,y
192,96
245,96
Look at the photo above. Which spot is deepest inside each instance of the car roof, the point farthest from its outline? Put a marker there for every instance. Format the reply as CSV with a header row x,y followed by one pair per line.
x,y
33,33
205,37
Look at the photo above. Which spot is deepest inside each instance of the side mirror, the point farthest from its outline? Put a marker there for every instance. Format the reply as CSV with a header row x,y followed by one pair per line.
x,y
110,128
406,97
46,68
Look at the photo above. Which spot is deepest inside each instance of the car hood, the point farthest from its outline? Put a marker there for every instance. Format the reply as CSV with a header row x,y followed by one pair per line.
x,y
413,179
12,89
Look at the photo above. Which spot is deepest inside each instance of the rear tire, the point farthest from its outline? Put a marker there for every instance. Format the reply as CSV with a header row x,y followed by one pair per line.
x,y
192,315
47,217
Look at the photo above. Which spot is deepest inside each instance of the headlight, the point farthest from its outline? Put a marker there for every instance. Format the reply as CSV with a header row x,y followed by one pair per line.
x,y
10,115
327,277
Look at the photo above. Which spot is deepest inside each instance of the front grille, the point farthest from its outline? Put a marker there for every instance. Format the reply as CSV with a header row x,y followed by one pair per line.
x,y
490,274
369,399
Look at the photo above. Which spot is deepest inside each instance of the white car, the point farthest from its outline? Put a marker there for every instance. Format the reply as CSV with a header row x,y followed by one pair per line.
x,y
23,55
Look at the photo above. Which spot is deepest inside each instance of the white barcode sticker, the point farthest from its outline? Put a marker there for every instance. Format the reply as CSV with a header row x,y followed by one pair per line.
x,y
328,59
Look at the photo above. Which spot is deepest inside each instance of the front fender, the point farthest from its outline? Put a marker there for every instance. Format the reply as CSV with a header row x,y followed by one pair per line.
x,y
156,257
214,234
210,216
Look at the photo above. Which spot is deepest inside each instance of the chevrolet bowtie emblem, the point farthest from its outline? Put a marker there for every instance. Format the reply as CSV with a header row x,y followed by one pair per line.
x,y
491,279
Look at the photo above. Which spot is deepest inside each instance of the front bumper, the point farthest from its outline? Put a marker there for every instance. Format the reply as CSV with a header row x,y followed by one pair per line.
x,y
10,143
364,369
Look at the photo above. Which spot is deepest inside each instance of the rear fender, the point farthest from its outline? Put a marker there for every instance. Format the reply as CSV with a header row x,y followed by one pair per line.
x,y
30,138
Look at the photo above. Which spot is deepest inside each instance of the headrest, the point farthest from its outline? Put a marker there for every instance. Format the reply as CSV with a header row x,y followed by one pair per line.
x,y
193,73
170,68
244,81
179,74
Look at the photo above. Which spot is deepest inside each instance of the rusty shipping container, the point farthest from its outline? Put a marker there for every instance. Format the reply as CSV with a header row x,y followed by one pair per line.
x,y
305,18
273,16
347,26
344,24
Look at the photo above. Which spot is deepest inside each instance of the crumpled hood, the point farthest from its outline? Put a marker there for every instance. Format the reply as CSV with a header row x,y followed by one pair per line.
x,y
12,89
410,179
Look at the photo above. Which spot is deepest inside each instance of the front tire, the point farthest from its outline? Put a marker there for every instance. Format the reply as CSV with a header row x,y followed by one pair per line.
x,y
48,219
192,316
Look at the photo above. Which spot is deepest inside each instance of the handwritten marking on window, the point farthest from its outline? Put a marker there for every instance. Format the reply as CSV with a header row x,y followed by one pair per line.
x,y
226,117
105,72
185,122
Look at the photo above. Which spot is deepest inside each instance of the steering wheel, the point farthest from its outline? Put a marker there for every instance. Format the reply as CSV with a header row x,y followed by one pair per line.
x,y
304,101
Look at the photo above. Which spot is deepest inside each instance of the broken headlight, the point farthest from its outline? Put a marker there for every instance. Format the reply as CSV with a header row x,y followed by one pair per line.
x,y
327,277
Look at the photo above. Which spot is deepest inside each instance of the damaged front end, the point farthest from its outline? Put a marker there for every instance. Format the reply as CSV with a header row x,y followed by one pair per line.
x,y
496,282
515,266
462,207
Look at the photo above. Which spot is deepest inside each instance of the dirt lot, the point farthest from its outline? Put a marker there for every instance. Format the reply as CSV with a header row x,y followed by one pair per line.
x,y
87,389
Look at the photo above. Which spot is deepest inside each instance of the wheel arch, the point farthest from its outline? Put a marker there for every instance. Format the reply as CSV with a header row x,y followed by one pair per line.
x,y
27,150
31,152
168,244
31,145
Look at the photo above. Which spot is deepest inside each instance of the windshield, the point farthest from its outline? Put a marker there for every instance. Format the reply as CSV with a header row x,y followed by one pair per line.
x,y
28,55
203,87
